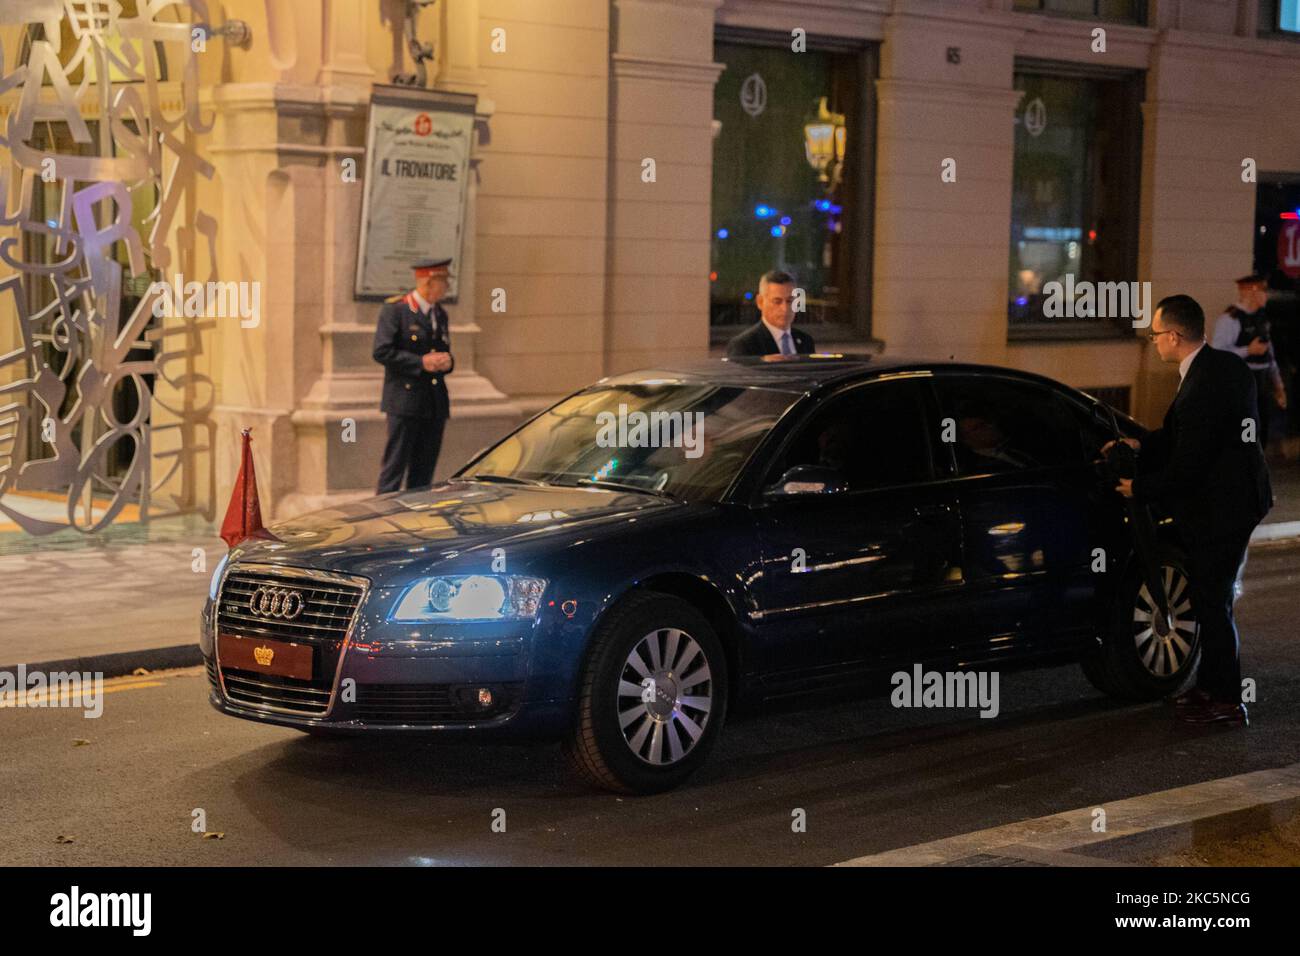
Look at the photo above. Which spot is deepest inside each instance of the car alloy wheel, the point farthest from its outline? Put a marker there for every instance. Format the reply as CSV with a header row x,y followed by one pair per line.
x,y
652,695
665,696
1165,647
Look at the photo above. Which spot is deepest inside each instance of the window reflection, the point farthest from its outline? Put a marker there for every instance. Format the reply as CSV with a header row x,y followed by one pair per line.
x,y
784,179
1074,194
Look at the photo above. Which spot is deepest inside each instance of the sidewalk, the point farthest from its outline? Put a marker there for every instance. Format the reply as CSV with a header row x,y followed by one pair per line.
x,y
132,599
1153,825
129,599
1284,520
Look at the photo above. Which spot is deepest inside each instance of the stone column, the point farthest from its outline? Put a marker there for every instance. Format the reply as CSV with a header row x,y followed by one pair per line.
x,y
662,79
338,428
481,413
940,261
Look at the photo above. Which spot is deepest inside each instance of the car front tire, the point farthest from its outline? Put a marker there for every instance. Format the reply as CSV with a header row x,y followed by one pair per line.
x,y
652,696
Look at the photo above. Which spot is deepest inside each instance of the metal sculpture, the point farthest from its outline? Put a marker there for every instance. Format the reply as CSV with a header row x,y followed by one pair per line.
x,y
87,347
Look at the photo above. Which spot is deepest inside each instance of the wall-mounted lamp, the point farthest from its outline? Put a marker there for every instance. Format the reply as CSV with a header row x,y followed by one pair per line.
x,y
824,139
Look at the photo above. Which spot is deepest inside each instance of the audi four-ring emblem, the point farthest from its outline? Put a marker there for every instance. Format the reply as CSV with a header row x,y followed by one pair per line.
x,y
276,602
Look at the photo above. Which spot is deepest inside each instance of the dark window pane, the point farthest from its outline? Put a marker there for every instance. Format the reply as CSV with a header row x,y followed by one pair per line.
x,y
782,178
1121,10
1002,426
1077,8
1074,196
875,436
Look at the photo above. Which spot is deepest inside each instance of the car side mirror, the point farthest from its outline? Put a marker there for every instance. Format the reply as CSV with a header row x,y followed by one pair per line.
x,y
808,480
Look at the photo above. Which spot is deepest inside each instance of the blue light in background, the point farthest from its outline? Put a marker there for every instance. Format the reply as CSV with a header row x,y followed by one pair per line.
x,y
1052,233
785,220
823,205
778,230
722,234
1022,301
836,209
748,296
1288,17
763,211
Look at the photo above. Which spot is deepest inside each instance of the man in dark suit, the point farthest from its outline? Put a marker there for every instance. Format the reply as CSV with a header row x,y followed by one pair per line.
x,y
1206,467
773,334
413,344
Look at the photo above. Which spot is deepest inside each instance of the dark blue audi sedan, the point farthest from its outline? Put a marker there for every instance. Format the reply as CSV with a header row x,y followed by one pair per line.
x,y
665,546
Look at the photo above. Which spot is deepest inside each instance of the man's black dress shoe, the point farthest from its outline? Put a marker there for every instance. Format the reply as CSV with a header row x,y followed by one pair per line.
x,y
1215,712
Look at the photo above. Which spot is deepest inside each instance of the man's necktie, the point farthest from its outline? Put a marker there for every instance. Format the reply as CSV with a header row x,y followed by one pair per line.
x,y
787,345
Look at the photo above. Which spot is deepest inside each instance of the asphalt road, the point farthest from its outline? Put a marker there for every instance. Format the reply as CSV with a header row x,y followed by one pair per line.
x,y
868,777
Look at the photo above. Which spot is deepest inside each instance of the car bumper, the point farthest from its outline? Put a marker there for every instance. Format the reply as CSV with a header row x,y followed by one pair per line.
x,y
395,680
537,720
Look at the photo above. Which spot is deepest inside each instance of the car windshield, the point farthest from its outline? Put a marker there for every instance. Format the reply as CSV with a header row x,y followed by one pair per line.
x,y
684,440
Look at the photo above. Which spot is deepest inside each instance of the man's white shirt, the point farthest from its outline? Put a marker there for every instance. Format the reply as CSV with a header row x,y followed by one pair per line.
x,y
1226,332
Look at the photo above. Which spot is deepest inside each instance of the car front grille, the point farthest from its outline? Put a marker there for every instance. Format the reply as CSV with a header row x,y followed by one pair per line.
x,y
427,703
326,612
328,605
281,693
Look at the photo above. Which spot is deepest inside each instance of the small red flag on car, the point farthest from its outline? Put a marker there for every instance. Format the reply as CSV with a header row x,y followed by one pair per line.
x,y
244,514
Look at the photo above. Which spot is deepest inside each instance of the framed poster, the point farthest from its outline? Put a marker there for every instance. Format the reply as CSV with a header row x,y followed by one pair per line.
x,y
416,179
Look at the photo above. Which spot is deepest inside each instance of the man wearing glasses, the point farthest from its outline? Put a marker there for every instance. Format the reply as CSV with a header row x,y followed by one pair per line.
x,y
1206,468
413,344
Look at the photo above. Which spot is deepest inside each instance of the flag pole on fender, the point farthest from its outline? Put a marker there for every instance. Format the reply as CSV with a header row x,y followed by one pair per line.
x,y
244,513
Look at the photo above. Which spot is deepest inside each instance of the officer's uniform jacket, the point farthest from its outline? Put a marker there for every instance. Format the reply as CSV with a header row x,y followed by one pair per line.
x,y
1236,329
403,336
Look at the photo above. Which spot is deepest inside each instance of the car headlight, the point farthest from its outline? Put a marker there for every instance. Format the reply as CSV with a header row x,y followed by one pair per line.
x,y
470,597
216,576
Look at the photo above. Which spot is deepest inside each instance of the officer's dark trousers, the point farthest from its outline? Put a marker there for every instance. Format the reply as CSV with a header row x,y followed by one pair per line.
x,y
1212,566
410,452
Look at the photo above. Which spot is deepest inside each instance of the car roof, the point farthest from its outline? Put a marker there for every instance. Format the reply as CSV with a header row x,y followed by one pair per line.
x,y
802,373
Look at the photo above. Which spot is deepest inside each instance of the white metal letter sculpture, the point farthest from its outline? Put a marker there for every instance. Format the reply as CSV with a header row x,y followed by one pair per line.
x,y
95,375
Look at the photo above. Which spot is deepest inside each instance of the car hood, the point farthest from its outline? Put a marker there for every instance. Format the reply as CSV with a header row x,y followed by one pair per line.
x,y
396,537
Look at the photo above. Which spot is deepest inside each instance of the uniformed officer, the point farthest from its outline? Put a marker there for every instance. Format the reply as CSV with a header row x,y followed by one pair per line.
x,y
413,345
1243,329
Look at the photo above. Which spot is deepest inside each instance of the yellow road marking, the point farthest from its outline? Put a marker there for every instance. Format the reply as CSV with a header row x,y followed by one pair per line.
x,y
111,686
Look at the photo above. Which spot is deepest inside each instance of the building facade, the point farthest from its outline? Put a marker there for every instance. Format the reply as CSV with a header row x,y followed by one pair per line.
x,y
926,169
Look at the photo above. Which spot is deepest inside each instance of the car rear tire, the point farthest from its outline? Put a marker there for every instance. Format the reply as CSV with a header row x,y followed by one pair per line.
x,y
651,698
1133,661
